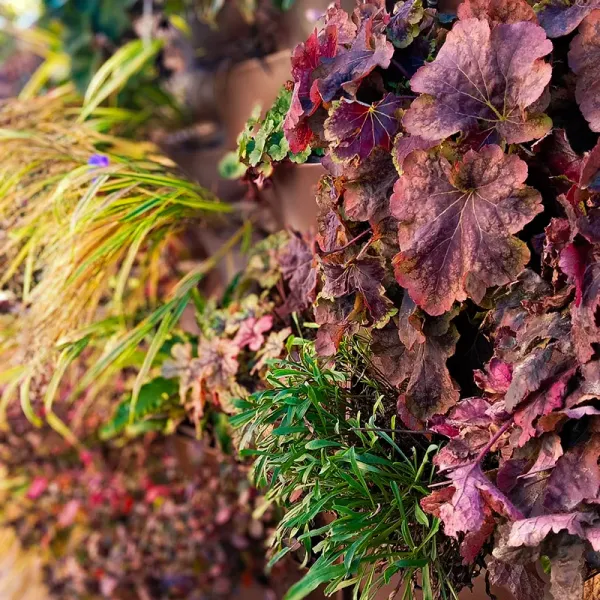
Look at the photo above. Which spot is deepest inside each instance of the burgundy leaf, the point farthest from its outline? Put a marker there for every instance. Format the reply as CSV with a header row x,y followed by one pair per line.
x,y
431,390
473,542
355,129
368,188
457,224
305,97
431,504
298,266
544,401
538,367
410,325
493,75
560,17
474,494
509,473
586,316
335,318
590,170
497,11
584,60
522,581
350,66
533,531
362,276
558,156
497,377
390,357
575,478
550,450
405,144
567,559
573,263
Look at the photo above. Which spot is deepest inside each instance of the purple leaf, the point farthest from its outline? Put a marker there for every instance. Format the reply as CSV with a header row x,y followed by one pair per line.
x,y
355,129
457,225
533,531
350,66
474,493
584,60
494,75
575,478
496,11
560,17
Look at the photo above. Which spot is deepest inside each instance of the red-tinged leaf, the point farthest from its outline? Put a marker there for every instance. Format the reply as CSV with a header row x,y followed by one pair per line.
x,y
550,450
568,565
404,23
431,504
586,316
431,389
539,367
561,17
558,156
410,323
493,75
251,332
361,276
496,378
336,319
474,494
497,11
522,581
298,265
368,187
589,387
590,170
405,144
457,225
509,473
406,417
575,478
584,60
305,98
473,542
549,398
573,263
355,129
344,72
532,532
389,356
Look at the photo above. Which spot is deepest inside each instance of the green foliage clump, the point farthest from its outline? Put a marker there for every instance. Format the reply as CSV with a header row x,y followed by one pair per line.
x,y
317,455
262,144
88,30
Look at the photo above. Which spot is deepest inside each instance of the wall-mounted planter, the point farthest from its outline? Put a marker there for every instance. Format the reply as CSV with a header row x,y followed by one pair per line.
x,y
292,195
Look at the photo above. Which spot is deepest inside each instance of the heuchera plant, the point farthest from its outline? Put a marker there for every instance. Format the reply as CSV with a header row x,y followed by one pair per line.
x,y
459,227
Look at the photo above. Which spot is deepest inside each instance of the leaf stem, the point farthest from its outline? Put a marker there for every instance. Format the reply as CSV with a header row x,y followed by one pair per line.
x,y
494,439
352,241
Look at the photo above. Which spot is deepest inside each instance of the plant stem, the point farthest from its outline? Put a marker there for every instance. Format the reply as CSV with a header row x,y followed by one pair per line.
x,y
352,241
494,439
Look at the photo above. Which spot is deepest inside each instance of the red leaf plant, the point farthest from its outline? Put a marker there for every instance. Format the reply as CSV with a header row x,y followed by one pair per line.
x,y
460,230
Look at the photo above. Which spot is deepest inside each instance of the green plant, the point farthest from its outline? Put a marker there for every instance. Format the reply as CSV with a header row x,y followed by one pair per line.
x,y
90,217
262,144
320,451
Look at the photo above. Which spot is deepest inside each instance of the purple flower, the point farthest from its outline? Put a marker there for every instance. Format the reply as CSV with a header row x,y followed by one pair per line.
x,y
98,160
